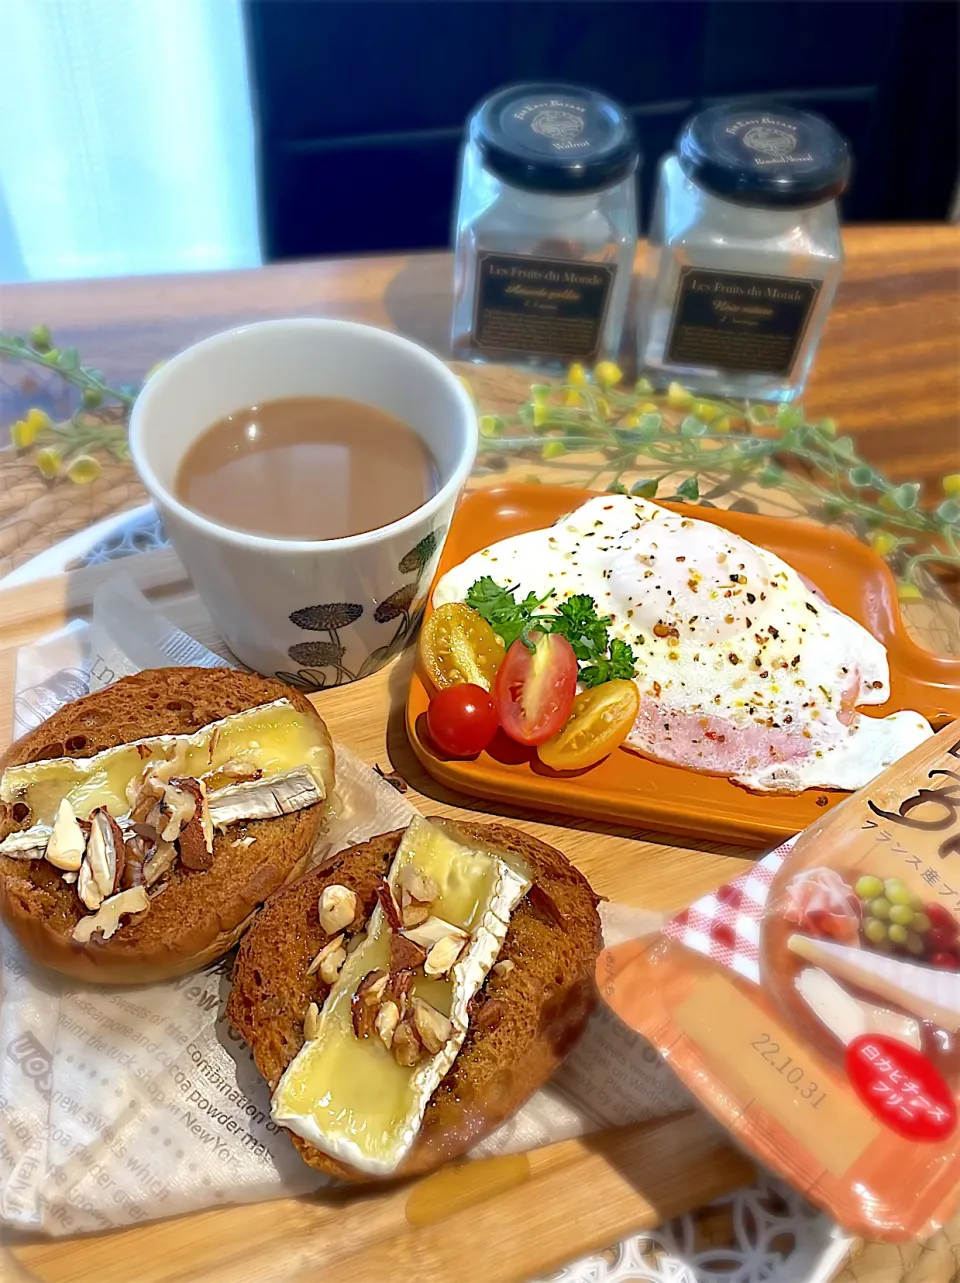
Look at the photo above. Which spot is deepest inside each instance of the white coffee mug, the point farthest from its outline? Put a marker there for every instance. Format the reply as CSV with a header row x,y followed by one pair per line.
x,y
316,613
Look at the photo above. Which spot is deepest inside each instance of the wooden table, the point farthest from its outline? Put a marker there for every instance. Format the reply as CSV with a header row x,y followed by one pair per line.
x,y
888,371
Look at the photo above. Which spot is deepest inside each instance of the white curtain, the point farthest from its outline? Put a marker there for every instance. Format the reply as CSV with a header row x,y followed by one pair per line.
x,y
126,138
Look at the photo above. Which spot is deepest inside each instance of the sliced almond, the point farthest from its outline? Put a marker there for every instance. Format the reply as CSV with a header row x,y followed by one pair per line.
x,y
69,877
417,885
200,818
432,1026
388,1018
330,967
366,1000
161,861
432,931
143,794
412,912
444,954
178,806
104,852
67,844
337,907
405,955
136,849
503,968
107,919
193,847
328,950
388,903
245,841
311,1022
88,888
406,1047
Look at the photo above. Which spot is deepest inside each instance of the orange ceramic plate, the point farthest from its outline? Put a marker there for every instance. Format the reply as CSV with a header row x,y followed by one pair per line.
x,y
626,788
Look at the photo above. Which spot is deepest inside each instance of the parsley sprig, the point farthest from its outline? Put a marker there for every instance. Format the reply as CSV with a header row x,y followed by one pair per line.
x,y
601,658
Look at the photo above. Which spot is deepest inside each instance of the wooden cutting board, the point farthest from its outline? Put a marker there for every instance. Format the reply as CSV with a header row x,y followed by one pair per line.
x,y
493,1221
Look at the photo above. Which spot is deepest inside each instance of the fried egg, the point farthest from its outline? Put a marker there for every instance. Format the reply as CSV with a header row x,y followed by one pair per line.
x,y
743,670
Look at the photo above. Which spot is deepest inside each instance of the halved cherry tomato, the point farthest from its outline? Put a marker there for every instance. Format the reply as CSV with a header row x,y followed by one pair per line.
x,y
462,719
458,645
599,722
534,688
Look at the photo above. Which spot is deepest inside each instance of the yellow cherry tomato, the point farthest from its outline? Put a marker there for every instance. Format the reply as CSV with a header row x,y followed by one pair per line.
x,y
599,722
458,645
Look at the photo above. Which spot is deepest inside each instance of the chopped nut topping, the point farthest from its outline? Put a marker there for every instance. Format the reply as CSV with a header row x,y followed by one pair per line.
x,y
162,860
388,1017
503,968
432,1026
337,907
366,1000
417,885
107,920
406,1045
327,951
311,1022
388,904
433,930
413,914
444,954
405,955
331,964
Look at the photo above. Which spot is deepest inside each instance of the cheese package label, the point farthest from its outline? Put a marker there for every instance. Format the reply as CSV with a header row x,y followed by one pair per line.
x,y
814,1004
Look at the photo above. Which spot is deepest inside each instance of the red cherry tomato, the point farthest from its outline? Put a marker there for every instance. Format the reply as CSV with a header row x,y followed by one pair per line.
x,y
946,961
940,939
534,689
462,719
940,916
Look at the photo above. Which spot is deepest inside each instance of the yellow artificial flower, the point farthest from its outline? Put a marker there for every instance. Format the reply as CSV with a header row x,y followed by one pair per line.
x,y
643,387
678,397
883,542
951,485
25,431
909,592
577,375
649,407
541,414
829,426
722,425
553,450
490,425
608,374
48,462
631,420
706,411
83,469
603,407
572,397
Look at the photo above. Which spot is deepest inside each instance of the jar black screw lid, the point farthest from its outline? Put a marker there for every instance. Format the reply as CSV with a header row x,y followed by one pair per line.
x,y
765,155
554,138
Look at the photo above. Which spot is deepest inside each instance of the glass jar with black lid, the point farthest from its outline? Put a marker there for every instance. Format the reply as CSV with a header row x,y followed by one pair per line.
x,y
744,253
546,228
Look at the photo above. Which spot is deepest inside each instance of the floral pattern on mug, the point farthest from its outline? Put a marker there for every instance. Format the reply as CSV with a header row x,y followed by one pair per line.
x,y
328,618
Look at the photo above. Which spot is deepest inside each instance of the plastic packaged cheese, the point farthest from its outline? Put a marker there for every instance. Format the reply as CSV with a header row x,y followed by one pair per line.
x,y
813,1005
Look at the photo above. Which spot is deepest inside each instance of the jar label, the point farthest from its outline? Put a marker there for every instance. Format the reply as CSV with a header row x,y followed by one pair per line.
x,y
732,321
551,307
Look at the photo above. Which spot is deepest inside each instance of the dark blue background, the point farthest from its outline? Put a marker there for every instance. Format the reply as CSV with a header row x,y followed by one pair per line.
x,y
360,104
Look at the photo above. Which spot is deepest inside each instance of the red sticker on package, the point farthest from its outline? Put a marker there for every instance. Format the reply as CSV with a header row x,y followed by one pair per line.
x,y
901,1087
